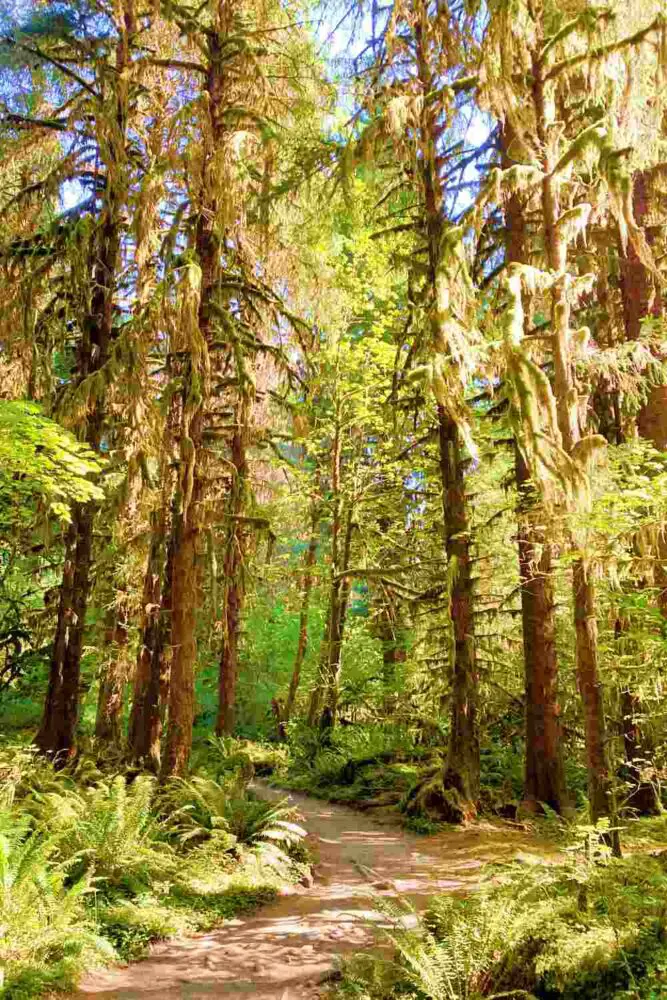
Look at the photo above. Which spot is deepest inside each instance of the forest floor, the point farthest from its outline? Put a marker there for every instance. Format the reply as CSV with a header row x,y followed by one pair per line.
x,y
291,947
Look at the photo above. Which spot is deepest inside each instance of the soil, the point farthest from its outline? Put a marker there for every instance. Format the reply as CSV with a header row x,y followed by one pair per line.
x,y
290,948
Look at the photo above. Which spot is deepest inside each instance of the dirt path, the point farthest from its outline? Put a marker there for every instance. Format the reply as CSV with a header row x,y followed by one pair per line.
x,y
284,951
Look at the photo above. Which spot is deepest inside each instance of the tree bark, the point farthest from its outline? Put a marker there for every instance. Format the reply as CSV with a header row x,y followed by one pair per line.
x,y
544,777
234,580
544,774
151,683
457,796
307,587
108,724
567,408
188,524
461,774
340,601
184,603
57,732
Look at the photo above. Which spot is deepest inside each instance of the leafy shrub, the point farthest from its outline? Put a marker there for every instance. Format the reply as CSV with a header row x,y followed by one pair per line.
x,y
587,929
131,928
200,809
47,933
108,831
195,810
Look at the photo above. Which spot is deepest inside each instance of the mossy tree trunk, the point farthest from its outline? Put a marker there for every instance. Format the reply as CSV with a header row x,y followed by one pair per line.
x,y
544,777
567,407
460,778
113,678
234,577
57,732
461,774
309,562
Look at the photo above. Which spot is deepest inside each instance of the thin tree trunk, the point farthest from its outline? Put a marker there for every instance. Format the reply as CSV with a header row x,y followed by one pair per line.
x,y
337,634
234,580
320,694
461,773
308,565
567,406
315,703
108,724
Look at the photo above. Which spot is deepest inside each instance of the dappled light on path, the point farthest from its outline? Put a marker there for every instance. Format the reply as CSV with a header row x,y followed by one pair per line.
x,y
286,950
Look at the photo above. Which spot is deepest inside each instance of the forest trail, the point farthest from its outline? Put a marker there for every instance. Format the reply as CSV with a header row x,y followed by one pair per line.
x,y
286,950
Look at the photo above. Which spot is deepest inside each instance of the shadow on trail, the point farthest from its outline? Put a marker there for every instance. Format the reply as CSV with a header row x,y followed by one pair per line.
x,y
284,951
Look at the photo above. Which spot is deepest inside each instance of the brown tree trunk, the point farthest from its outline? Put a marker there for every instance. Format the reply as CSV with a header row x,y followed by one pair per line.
x,y
339,604
590,689
188,525
544,774
317,694
457,797
108,724
308,566
151,683
567,406
461,774
544,779
57,732
184,604
234,580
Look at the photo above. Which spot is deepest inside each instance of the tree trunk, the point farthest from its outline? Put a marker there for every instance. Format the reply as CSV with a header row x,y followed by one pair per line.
x,y
183,644
340,602
461,774
317,694
57,731
151,683
590,689
544,774
108,724
456,795
188,525
544,779
234,580
567,408
308,566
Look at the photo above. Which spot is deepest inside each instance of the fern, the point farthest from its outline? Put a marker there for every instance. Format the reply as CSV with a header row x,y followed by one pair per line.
x,y
108,831
42,908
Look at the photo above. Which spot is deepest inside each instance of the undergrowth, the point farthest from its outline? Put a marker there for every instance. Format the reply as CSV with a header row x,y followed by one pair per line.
x,y
589,928
94,866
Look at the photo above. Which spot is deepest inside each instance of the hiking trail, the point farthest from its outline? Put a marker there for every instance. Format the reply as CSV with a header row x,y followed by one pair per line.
x,y
286,950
